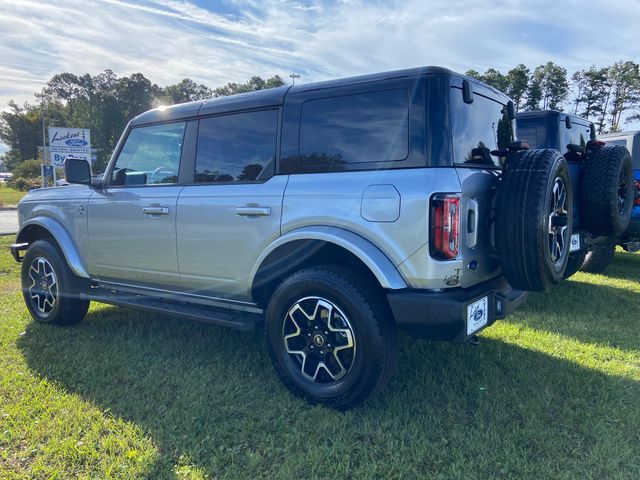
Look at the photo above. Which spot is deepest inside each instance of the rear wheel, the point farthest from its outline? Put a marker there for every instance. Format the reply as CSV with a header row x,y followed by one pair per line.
x,y
49,287
599,257
330,336
607,191
534,209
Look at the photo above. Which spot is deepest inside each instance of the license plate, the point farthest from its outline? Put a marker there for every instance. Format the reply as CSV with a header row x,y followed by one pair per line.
x,y
575,242
477,315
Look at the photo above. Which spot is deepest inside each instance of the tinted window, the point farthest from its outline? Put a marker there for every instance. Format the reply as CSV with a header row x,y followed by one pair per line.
x,y
150,155
362,128
478,128
237,148
576,135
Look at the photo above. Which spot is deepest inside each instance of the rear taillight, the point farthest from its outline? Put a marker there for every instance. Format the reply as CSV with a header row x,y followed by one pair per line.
x,y
444,225
636,200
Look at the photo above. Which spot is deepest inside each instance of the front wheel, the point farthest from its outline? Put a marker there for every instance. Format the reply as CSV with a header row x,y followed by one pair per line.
x,y
49,287
331,338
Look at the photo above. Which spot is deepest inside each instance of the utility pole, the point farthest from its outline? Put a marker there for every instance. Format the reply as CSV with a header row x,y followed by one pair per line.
x,y
293,77
44,138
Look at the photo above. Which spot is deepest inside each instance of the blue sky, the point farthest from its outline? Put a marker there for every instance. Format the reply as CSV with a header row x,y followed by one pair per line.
x,y
230,40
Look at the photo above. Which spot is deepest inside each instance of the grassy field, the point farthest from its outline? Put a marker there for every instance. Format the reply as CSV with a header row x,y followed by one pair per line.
x,y
554,392
9,196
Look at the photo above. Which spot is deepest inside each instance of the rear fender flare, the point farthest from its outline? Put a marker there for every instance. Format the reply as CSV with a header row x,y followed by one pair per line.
x,y
376,261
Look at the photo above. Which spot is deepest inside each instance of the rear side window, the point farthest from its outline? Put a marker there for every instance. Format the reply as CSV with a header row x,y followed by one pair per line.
x,y
576,135
364,128
150,156
237,148
478,128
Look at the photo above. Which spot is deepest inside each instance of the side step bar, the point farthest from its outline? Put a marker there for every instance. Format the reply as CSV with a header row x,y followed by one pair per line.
x,y
205,313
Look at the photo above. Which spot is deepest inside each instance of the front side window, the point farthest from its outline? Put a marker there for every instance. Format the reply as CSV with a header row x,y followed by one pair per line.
x,y
150,156
478,129
237,148
363,128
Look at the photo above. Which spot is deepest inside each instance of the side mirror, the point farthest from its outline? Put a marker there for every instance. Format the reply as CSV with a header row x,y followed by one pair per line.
x,y
77,170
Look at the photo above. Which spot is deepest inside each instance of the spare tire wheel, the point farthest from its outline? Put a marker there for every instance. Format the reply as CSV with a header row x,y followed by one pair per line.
x,y
534,208
607,191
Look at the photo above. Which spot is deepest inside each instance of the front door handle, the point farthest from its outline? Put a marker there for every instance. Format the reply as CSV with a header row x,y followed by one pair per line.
x,y
254,211
155,210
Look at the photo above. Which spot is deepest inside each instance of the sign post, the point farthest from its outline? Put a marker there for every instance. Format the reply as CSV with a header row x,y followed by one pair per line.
x,y
68,142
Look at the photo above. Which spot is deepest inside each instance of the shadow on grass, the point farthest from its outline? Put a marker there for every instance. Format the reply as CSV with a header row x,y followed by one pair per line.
x,y
625,266
209,397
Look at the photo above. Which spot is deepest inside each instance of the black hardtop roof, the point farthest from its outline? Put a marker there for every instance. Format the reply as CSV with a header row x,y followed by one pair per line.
x,y
275,96
552,113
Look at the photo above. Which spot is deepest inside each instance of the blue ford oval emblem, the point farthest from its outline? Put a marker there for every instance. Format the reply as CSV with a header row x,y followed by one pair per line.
x,y
76,142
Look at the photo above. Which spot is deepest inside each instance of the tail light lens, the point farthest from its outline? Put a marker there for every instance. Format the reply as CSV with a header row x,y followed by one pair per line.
x,y
444,225
636,200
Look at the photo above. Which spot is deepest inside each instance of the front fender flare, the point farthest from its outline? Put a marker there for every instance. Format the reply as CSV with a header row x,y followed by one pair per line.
x,y
376,261
62,237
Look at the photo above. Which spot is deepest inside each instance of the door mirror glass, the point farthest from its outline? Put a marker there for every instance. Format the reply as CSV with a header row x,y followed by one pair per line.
x,y
77,170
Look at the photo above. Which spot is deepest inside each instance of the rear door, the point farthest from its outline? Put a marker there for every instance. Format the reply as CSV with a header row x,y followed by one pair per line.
x,y
131,222
478,128
232,210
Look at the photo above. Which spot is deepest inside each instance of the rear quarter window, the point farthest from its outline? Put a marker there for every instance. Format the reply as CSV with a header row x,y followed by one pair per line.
x,y
352,131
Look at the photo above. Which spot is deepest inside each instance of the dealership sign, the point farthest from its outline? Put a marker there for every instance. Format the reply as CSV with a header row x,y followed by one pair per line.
x,y
69,142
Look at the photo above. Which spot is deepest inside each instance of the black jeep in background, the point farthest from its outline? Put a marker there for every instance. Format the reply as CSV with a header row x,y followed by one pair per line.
x,y
602,181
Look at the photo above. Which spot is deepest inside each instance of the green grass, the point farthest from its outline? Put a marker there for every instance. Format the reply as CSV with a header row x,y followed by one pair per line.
x,y
553,392
9,196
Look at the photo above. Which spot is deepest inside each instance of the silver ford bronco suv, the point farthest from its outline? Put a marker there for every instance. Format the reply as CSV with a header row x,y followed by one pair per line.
x,y
332,213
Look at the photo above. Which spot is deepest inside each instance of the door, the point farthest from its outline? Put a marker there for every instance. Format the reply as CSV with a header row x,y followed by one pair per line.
x,y
132,221
233,209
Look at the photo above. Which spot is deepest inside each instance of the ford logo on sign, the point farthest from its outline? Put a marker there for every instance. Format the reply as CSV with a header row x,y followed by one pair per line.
x,y
76,142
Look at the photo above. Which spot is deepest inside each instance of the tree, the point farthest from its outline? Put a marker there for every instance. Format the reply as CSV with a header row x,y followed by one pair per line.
x,y
254,83
592,91
518,81
548,87
185,91
496,79
624,80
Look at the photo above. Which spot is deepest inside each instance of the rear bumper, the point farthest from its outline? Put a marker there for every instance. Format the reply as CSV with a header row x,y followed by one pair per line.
x,y
443,315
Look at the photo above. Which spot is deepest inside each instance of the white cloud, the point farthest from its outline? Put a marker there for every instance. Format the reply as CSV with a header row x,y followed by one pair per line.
x,y
168,40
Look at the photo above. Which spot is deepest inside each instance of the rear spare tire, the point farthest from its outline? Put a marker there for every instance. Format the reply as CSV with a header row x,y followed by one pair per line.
x,y
599,257
607,191
534,219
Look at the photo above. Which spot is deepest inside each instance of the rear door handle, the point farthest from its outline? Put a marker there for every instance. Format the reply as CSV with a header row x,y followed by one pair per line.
x,y
254,211
155,210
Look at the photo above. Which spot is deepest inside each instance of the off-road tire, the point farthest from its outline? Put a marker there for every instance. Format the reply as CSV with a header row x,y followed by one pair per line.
x,y
374,335
599,257
574,264
606,205
67,308
522,223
